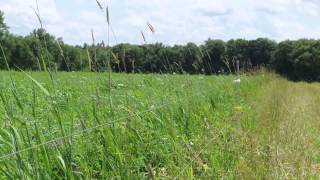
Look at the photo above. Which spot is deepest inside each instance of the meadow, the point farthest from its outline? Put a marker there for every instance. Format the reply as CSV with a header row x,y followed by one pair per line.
x,y
156,111
158,122
81,126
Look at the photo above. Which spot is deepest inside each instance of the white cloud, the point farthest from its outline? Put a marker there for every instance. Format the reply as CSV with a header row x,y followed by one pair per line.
x,y
21,16
178,21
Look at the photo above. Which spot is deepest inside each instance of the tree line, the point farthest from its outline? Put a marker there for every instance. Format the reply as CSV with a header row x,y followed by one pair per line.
x,y
297,60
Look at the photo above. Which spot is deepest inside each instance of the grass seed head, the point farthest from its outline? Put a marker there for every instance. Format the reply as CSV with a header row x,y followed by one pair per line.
x,y
107,15
143,37
99,5
151,28
92,36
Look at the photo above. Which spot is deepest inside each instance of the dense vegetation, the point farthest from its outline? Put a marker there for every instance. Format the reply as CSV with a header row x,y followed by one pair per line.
x,y
94,125
72,126
158,122
298,60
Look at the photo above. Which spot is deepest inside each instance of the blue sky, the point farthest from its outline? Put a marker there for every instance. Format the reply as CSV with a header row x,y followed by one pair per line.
x,y
175,21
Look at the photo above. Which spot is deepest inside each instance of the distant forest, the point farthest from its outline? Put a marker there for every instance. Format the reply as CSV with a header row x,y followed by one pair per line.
x,y
40,51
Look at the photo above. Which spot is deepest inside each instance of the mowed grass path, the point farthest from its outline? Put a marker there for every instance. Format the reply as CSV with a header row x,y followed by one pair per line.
x,y
285,144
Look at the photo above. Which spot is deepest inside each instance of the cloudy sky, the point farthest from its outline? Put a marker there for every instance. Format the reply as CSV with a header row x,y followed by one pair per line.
x,y
175,21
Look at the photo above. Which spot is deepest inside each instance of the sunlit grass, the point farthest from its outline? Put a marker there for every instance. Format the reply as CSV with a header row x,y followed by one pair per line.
x,y
160,120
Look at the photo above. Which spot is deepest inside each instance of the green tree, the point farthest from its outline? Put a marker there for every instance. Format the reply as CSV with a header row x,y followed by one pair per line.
x,y
22,56
237,50
282,60
190,55
213,56
305,59
260,51
3,27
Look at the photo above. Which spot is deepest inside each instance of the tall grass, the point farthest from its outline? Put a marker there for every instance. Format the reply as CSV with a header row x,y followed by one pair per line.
x,y
162,126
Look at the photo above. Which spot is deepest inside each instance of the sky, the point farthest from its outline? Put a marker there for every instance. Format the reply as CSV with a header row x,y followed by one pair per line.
x,y
175,21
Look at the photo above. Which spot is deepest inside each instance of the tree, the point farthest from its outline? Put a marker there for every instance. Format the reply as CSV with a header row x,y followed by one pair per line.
x,y
190,55
281,59
3,27
213,53
305,59
237,50
22,56
260,51
298,60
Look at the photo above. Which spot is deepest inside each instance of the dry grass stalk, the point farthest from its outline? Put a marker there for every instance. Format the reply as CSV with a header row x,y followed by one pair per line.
x,y
99,5
37,12
94,46
60,49
152,29
62,54
133,67
226,62
5,57
124,59
150,172
114,56
38,17
92,37
89,59
143,37
38,63
107,15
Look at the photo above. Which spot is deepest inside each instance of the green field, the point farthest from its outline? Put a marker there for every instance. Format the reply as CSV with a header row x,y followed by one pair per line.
x,y
81,126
